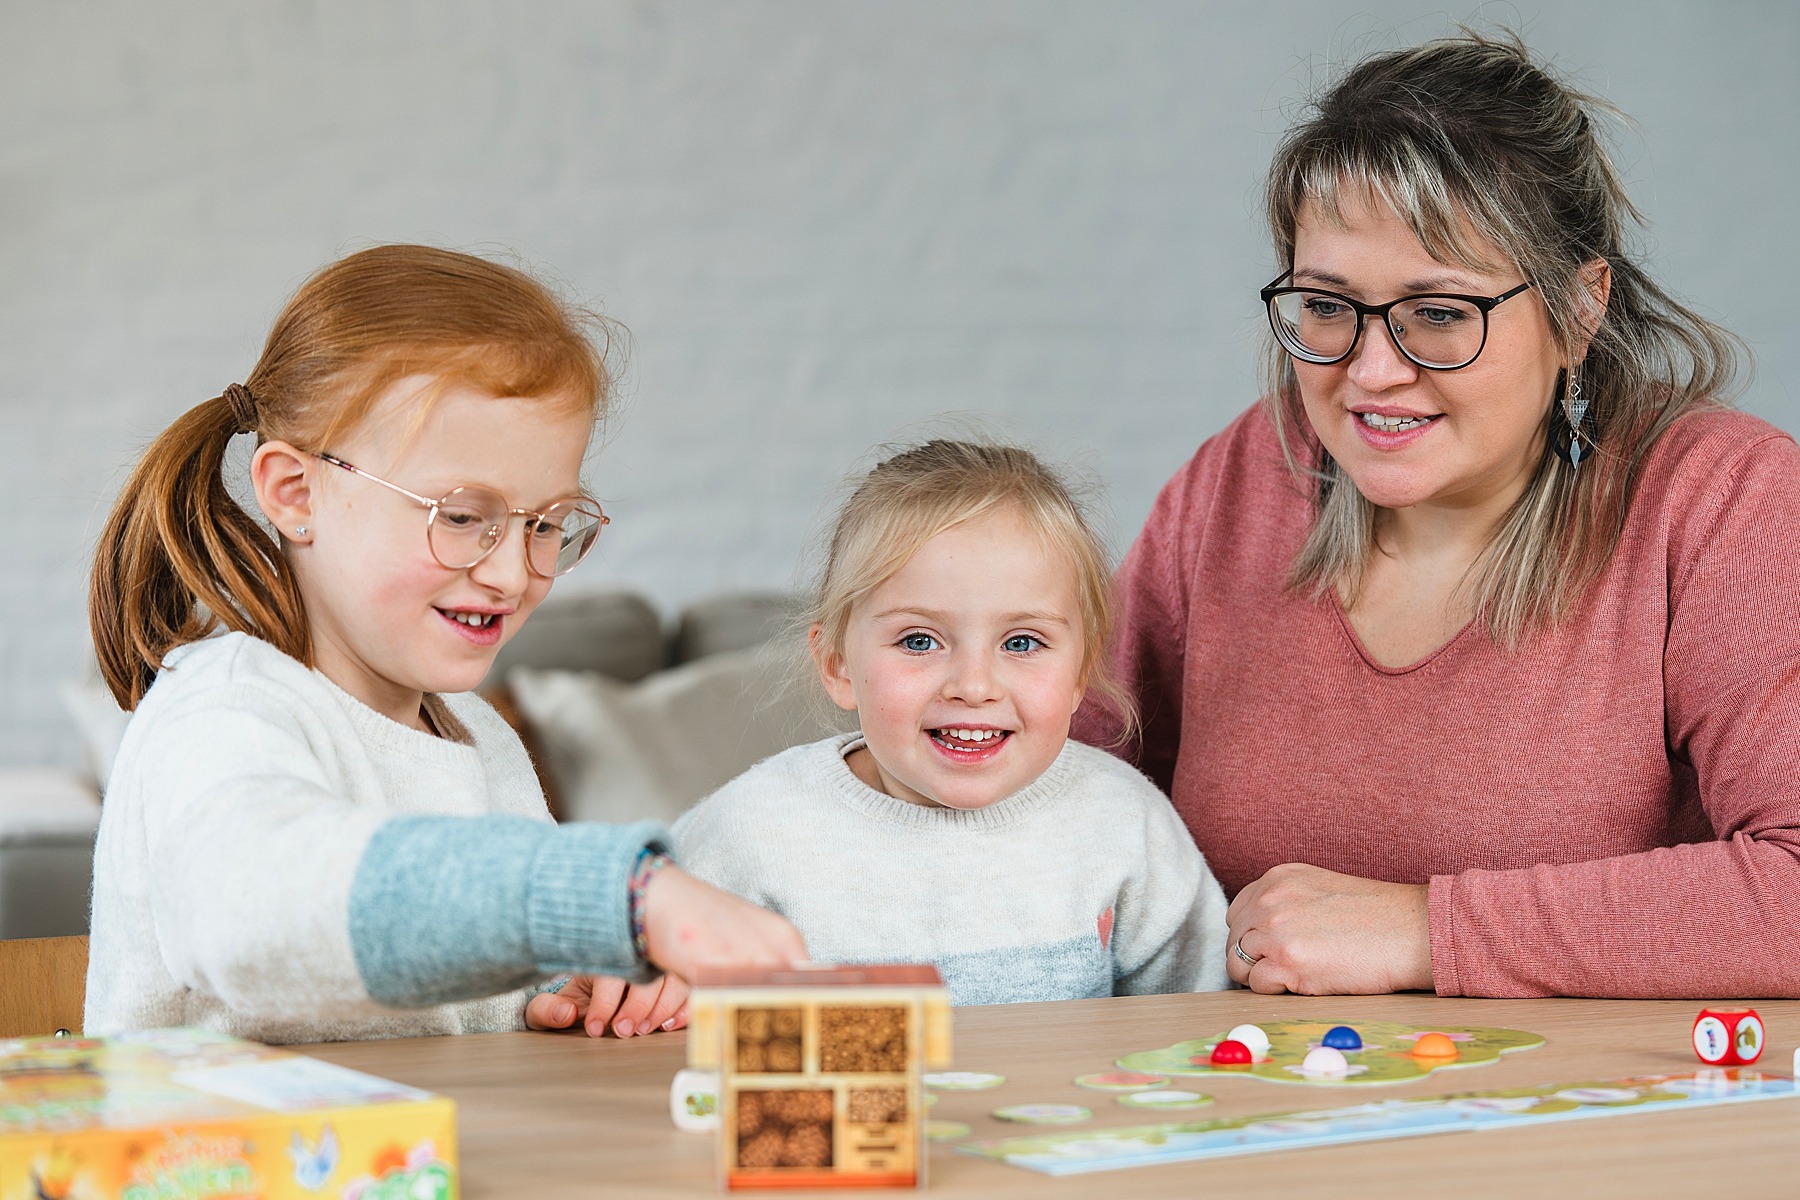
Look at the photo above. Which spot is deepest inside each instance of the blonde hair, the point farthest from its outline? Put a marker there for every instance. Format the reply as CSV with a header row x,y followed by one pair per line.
x,y
915,494
179,557
1474,145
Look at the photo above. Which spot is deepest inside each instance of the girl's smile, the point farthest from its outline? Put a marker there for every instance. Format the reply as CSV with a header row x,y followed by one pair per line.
x,y
480,627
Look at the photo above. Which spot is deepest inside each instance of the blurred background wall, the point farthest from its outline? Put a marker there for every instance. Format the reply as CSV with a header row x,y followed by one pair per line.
x,y
823,222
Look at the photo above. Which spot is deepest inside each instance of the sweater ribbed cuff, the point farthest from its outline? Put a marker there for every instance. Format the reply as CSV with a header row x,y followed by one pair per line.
x,y
1441,903
577,912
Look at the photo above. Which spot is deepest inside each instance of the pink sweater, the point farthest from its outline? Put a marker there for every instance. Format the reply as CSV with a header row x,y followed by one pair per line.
x,y
1611,810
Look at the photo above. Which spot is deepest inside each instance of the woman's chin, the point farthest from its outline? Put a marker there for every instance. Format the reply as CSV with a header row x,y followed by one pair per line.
x,y
1395,488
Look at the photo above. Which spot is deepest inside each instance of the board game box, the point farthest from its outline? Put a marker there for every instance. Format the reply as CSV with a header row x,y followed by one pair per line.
x,y
189,1114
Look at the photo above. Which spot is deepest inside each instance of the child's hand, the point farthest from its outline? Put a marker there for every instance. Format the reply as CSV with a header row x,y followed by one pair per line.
x,y
690,924
600,1001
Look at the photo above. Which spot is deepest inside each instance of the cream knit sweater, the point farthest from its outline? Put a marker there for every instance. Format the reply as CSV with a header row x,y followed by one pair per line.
x,y
1084,883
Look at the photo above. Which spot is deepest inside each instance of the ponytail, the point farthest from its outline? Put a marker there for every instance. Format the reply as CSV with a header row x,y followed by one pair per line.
x,y
179,557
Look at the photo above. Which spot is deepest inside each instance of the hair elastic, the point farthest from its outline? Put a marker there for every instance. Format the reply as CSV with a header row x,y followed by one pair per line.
x,y
243,407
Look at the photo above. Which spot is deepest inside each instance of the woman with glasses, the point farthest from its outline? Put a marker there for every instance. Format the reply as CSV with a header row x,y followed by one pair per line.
x,y
1471,655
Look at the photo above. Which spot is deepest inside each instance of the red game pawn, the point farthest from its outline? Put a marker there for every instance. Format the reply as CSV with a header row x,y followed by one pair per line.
x,y
1231,1054
1728,1037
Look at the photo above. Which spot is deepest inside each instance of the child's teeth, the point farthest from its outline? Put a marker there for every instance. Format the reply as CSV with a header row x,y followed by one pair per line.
x,y
972,735
475,619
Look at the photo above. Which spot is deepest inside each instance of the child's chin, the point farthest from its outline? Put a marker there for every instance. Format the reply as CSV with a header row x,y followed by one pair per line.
x,y
460,678
965,803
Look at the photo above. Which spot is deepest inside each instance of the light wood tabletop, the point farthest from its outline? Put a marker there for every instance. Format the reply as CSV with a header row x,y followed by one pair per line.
x,y
553,1115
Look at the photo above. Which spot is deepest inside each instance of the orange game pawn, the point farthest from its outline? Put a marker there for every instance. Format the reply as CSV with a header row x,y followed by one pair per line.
x,y
1434,1045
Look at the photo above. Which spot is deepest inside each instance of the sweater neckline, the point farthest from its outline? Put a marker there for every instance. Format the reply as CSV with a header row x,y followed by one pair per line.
x,y
381,732
1369,660
1009,810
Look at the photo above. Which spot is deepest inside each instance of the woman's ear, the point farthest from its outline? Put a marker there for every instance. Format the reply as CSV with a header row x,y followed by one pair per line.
x,y
1593,290
834,673
281,477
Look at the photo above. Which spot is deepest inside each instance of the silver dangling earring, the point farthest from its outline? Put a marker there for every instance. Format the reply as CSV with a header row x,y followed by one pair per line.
x,y
1577,410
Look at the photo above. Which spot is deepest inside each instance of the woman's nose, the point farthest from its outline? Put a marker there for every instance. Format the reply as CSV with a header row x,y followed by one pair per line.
x,y
1377,364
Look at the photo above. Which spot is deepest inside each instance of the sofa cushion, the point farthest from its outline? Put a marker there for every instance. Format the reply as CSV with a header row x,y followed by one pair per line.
x,y
615,632
47,821
731,621
99,720
627,752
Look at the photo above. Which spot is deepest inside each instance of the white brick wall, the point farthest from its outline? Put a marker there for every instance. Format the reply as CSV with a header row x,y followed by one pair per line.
x,y
824,222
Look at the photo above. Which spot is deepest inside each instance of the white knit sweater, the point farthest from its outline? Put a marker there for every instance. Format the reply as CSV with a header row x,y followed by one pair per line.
x,y
1084,883
278,861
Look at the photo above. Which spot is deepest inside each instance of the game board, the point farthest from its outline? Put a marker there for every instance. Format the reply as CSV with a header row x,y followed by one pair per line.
x,y
1384,1058
1077,1152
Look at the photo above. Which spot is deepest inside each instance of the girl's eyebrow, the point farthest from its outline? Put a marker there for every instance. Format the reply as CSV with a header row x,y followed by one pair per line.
x,y
942,617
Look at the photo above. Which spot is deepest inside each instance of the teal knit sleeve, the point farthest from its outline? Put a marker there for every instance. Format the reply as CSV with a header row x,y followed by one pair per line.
x,y
448,908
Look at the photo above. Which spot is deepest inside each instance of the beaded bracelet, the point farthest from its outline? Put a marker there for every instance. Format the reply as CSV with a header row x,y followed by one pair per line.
x,y
649,862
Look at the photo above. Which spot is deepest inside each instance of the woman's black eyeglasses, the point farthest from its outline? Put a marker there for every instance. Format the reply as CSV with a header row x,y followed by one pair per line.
x,y
1438,331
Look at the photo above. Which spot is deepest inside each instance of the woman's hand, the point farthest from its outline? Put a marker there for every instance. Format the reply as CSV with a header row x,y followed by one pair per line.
x,y
690,924
1319,933
599,1002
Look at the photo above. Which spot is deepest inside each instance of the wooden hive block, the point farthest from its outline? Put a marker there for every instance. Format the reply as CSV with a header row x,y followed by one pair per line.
x,y
821,1071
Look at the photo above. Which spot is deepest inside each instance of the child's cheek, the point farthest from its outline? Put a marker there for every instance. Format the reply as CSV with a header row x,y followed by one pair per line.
x,y
405,583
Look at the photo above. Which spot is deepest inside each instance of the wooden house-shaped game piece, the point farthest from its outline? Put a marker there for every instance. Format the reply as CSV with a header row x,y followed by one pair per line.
x,y
821,1071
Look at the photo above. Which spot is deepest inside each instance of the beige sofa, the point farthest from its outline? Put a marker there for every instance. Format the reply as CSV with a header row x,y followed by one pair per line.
x,y
627,717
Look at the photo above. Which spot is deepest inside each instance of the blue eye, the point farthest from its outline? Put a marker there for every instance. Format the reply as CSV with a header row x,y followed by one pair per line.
x,y
918,643
1440,314
1022,643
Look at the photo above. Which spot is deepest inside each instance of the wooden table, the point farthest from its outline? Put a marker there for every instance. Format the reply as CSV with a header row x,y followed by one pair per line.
x,y
549,1115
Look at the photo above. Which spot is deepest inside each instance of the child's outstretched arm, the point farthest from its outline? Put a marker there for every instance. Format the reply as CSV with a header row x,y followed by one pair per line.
x,y
566,909
271,892
684,920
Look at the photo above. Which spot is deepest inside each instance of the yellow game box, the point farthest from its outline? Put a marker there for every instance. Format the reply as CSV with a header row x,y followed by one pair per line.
x,y
184,1114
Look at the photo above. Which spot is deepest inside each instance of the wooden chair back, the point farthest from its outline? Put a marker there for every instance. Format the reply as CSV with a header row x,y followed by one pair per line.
x,y
43,984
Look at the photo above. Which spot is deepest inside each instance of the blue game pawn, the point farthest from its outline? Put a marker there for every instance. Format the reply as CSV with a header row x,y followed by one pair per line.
x,y
1342,1037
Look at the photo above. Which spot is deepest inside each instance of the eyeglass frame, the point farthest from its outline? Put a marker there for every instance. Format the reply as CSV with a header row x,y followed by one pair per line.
x,y
433,506
1486,304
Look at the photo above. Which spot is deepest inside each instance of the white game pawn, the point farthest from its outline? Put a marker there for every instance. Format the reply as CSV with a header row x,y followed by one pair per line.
x,y
694,1100
1324,1061
1253,1037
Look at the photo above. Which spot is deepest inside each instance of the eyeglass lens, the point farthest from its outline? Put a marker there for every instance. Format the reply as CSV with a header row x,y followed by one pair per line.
x,y
470,522
1433,331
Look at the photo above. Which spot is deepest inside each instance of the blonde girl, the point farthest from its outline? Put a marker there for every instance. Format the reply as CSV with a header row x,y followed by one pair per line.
x,y
313,830
962,614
